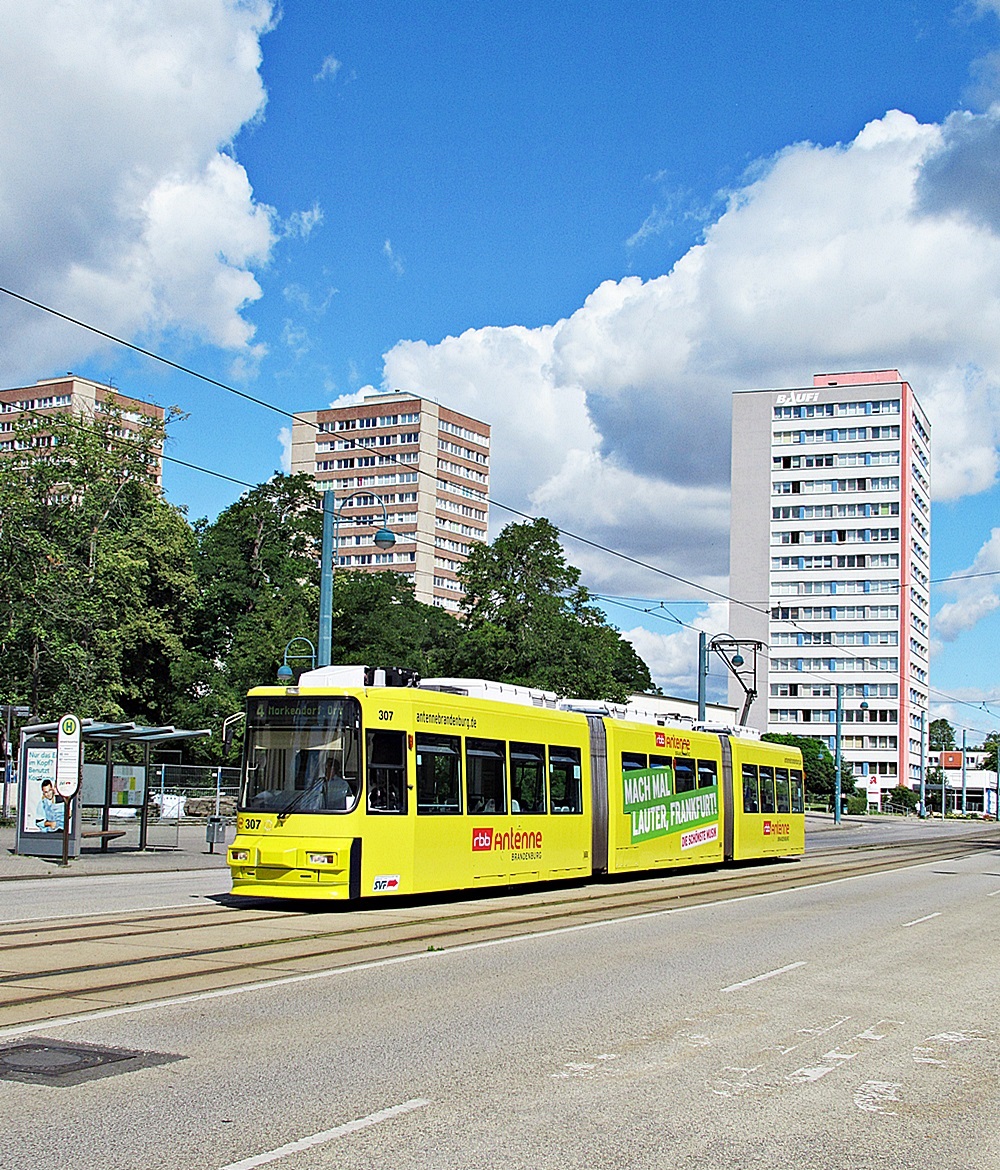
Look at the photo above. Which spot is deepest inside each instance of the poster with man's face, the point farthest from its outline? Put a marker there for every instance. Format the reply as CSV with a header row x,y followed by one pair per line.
x,y
41,809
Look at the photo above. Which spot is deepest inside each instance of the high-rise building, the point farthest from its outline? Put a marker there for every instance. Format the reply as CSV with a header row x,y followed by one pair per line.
x,y
81,397
830,557
426,465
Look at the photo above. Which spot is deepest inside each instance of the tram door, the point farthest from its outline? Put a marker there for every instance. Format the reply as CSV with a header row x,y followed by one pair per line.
x,y
442,845
387,852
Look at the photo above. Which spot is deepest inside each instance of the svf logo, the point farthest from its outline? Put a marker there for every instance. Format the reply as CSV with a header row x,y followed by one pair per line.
x,y
482,840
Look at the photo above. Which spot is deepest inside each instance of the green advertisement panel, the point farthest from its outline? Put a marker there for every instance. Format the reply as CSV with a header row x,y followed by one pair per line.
x,y
653,811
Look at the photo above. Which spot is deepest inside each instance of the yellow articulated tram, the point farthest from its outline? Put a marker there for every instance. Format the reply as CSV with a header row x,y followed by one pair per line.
x,y
353,787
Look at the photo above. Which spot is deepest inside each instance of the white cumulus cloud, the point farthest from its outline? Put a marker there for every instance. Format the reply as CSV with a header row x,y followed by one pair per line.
x,y
883,252
119,200
976,592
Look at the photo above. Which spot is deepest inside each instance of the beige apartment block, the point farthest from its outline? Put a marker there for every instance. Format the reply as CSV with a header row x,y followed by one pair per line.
x,y
78,396
418,465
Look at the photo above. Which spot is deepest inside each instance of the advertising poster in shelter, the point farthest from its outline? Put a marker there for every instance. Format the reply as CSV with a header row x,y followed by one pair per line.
x,y
42,811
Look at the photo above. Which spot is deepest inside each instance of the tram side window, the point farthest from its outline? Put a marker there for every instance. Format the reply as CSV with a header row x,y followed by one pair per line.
x,y
708,774
633,761
439,774
781,793
565,786
485,775
386,771
664,764
798,794
527,778
766,789
685,776
751,801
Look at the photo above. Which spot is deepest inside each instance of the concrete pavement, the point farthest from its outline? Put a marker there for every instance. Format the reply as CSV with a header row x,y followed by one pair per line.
x,y
171,848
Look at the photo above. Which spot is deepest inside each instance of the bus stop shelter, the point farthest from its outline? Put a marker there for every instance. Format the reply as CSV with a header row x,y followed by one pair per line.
x,y
106,786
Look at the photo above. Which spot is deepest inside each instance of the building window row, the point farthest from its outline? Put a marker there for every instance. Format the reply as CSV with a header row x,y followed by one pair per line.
x,y
462,472
858,561
462,452
850,459
835,665
835,613
460,489
830,409
451,428
786,690
447,505
455,526
836,536
836,638
827,715
838,435
46,403
807,588
806,487
834,511
397,558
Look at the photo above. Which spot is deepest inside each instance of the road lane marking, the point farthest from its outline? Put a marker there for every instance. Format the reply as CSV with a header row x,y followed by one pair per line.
x,y
328,1135
994,894
926,918
766,975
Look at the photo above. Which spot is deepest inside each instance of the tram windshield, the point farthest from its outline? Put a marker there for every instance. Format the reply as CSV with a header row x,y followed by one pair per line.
x,y
302,755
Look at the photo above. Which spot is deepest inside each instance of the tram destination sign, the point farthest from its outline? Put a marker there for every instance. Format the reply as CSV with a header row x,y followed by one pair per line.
x,y
292,712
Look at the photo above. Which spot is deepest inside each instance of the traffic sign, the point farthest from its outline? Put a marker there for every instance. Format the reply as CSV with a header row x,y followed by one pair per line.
x,y
68,757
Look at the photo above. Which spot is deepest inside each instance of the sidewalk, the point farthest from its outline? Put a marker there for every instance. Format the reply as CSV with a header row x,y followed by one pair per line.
x,y
171,849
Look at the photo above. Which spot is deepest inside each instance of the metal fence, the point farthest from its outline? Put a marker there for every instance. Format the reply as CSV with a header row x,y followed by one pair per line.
x,y
192,791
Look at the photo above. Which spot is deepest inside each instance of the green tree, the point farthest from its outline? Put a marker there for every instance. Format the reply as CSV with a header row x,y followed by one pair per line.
x,y
818,765
257,570
941,736
378,622
95,569
901,797
528,620
990,744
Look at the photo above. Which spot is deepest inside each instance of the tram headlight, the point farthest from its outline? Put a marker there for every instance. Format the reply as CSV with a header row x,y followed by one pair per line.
x,y
239,854
322,858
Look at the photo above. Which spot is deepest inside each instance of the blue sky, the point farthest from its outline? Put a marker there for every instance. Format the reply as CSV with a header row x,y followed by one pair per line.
x,y
587,224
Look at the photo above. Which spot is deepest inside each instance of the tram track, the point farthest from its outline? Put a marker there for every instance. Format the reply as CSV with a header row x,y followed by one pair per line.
x,y
52,968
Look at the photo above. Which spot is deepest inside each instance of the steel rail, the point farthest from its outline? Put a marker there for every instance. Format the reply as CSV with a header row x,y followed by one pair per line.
x,y
356,935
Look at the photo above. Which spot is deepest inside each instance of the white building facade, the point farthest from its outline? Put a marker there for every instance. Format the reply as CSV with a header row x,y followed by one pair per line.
x,y
428,466
830,554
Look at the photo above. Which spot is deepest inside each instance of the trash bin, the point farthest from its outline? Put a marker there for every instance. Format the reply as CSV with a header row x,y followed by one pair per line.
x,y
215,832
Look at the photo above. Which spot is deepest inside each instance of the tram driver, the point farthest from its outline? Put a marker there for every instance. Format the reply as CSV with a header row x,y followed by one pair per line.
x,y
338,794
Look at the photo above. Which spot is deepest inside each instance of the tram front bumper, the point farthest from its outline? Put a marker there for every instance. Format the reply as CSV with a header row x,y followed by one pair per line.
x,y
292,869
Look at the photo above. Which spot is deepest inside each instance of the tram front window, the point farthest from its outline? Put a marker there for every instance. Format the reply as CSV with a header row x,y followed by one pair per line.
x,y
302,755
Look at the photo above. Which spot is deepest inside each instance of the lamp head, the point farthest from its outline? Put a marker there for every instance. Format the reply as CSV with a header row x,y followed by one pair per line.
x,y
285,674
737,660
385,538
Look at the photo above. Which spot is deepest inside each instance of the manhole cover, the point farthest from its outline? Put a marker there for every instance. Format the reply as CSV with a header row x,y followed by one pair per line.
x,y
54,1062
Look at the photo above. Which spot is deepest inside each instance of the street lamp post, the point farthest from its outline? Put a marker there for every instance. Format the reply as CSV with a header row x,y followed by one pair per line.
x,y
838,759
285,672
923,767
384,538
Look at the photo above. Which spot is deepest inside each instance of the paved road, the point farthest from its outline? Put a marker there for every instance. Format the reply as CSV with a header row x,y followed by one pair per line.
x,y
850,1025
